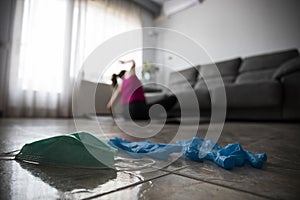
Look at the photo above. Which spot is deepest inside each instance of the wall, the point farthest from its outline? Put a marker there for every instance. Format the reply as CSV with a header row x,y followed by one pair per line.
x,y
234,28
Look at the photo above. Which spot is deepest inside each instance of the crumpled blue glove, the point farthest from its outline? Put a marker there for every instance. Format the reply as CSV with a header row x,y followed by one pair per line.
x,y
228,157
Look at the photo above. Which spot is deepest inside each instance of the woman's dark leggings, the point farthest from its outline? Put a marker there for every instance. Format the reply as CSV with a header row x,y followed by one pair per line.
x,y
139,110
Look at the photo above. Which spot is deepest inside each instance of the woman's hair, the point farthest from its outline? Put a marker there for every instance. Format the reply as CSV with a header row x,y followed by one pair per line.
x,y
115,76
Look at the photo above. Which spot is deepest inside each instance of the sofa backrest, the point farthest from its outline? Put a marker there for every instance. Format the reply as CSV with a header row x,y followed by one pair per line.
x,y
183,79
262,67
251,69
227,69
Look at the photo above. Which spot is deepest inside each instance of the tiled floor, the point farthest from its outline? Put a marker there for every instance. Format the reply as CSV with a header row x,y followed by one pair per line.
x,y
183,179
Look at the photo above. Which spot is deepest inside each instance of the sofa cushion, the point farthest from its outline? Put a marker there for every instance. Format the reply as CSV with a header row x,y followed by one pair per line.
x,y
255,76
288,67
214,82
227,69
183,79
266,61
251,95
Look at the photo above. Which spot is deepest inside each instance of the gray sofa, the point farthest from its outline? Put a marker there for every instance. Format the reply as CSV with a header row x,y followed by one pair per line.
x,y
262,87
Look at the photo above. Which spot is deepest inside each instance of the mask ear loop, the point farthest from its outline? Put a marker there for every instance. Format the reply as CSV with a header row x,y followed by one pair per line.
x,y
122,164
127,164
9,155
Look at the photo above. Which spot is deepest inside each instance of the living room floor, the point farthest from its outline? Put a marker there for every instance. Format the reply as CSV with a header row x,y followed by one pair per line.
x,y
183,179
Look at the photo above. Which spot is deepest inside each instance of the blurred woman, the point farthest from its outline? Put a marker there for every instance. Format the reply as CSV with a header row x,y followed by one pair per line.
x,y
132,95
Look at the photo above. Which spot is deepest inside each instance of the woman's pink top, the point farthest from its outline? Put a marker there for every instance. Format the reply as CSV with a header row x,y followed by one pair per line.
x,y
132,90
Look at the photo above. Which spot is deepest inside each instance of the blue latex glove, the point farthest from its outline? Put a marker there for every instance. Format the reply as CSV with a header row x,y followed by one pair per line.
x,y
140,149
228,157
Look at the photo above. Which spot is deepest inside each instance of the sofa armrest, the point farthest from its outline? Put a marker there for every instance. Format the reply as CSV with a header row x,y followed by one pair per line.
x,y
291,93
102,96
92,97
155,96
287,68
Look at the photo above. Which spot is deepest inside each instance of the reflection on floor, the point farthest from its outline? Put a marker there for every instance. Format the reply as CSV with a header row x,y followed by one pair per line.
x,y
181,179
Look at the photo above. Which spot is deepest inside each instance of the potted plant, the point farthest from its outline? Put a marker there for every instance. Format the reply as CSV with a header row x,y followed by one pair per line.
x,y
149,70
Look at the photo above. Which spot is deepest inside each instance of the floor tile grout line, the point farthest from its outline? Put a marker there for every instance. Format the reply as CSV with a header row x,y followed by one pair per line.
x,y
125,187
224,186
175,171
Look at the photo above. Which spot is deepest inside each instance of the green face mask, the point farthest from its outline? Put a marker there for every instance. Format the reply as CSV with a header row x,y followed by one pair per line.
x,y
79,149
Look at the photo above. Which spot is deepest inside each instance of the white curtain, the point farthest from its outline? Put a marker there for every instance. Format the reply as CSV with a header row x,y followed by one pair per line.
x,y
51,40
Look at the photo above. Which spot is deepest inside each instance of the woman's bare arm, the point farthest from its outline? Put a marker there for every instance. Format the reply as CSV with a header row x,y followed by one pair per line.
x,y
114,97
132,69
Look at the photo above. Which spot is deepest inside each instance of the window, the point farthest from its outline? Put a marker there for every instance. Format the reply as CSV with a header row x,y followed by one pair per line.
x,y
42,45
52,33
